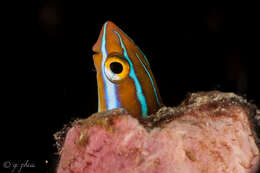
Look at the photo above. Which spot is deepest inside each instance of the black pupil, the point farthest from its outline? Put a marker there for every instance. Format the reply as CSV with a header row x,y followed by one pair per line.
x,y
116,67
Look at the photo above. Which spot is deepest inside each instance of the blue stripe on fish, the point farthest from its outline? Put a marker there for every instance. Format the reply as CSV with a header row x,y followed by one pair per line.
x,y
154,89
139,91
110,88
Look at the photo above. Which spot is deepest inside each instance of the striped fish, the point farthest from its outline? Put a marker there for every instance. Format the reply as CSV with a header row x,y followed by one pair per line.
x,y
124,77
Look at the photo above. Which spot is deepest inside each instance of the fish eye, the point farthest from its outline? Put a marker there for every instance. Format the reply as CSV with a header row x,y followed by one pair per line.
x,y
116,68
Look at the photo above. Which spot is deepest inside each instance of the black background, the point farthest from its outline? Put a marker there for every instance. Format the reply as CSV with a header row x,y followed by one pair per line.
x,y
49,77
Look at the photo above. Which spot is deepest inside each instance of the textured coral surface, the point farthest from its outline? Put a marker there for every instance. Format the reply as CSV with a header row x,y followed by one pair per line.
x,y
208,132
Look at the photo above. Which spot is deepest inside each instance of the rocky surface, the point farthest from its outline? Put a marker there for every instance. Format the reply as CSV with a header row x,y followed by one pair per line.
x,y
207,132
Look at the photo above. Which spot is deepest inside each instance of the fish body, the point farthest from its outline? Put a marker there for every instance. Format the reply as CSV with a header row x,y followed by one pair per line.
x,y
124,77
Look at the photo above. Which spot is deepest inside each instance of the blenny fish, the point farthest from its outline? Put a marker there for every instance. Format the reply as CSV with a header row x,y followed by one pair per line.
x,y
124,76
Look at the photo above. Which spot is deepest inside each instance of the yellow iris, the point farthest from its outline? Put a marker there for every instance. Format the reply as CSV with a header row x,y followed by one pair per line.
x,y
116,68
